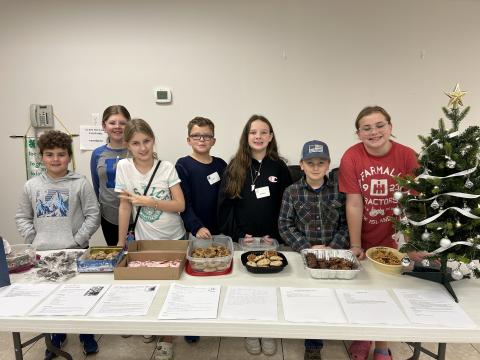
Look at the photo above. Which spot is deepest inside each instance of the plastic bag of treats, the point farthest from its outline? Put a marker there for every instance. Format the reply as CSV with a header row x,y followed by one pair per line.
x,y
58,266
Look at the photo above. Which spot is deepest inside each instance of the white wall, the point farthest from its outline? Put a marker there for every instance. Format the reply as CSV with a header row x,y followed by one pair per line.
x,y
309,66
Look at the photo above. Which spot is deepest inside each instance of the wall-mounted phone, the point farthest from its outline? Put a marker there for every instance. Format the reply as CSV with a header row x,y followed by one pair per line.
x,y
41,116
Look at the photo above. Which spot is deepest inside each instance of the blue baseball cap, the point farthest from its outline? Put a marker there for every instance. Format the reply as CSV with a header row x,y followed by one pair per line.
x,y
315,149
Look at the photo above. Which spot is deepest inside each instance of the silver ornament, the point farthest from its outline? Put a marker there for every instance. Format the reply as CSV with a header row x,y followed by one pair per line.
x,y
397,211
457,274
425,262
406,261
397,195
425,235
458,224
468,184
404,220
451,163
445,242
434,205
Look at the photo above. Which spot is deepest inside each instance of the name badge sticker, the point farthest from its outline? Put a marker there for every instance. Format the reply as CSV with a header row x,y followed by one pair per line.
x,y
213,178
262,192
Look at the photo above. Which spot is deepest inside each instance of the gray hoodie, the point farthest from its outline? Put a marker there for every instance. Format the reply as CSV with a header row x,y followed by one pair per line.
x,y
58,213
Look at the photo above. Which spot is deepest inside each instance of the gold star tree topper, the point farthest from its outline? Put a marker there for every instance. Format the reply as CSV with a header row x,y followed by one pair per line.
x,y
455,97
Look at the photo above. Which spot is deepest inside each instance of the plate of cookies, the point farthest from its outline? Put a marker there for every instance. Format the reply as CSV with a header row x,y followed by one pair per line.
x,y
264,262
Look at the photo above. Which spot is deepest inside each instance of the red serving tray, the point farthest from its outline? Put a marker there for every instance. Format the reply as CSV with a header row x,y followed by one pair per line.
x,y
190,271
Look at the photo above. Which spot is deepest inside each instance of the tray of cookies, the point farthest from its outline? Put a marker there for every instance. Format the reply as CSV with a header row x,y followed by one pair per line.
x,y
100,259
264,262
331,263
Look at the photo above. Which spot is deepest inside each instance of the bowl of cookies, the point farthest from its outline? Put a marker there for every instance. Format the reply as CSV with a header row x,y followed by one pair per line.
x,y
264,262
385,259
210,256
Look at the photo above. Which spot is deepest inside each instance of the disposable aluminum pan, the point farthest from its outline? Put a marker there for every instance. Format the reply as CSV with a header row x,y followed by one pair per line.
x,y
328,273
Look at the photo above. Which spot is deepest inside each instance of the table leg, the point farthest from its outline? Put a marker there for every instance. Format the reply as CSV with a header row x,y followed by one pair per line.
x,y
417,348
54,349
17,346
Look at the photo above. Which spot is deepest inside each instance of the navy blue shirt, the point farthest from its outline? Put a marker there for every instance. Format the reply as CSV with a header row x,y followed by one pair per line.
x,y
200,196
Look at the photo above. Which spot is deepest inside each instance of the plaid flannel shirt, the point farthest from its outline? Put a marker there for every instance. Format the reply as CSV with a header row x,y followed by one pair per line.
x,y
314,218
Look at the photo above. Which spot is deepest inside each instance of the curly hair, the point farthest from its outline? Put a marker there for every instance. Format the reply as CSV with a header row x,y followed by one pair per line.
x,y
55,139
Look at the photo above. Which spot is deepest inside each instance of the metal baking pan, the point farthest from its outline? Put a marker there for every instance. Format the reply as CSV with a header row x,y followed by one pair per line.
x,y
328,273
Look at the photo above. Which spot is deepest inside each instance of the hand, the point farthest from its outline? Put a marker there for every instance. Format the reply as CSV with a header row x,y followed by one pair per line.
x,y
203,233
267,240
358,252
134,199
418,256
248,239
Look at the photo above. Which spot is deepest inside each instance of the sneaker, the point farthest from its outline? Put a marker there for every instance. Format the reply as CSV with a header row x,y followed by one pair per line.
x,y
148,338
163,351
253,346
192,339
313,354
269,346
90,346
380,356
59,341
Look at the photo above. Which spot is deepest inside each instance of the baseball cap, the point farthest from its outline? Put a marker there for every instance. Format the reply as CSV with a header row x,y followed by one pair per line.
x,y
315,149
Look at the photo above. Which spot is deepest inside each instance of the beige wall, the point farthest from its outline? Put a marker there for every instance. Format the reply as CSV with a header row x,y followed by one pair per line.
x,y
309,66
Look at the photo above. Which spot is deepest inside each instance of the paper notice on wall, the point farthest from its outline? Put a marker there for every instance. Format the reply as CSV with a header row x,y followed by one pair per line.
x,y
91,137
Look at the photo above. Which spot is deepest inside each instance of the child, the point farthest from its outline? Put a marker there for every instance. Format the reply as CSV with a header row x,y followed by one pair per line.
x,y
103,166
158,218
251,194
200,174
313,214
58,210
366,176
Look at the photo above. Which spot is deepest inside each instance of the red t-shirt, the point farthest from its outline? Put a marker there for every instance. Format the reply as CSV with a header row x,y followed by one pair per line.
x,y
372,177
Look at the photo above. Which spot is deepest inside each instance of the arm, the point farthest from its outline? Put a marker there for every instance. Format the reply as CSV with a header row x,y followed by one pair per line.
x,y
190,219
354,220
286,225
24,217
93,171
340,238
124,212
91,212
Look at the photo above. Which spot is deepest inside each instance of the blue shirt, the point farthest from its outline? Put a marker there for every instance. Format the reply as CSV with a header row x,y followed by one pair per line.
x,y
200,196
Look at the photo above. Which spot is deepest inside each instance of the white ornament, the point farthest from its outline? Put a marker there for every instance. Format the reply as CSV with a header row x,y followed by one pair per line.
x,y
425,235
445,242
405,261
457,274
404,220
435,205
468,184
472,265
397,211
397,195
458,224
425,262
451,164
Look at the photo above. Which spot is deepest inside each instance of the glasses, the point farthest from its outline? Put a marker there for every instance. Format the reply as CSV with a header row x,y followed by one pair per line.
x,y
378,126
198,137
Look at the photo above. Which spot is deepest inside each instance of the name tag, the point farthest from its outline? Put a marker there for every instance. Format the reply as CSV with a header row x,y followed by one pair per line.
x,y
262,192
213,178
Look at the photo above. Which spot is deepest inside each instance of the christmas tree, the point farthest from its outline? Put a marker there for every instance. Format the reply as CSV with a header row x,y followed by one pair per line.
x,y
439,208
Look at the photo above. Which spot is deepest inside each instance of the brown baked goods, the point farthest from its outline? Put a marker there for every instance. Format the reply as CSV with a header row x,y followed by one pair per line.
x,y
333,263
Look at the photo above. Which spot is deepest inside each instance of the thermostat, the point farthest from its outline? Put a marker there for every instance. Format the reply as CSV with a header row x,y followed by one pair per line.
x,y
163,96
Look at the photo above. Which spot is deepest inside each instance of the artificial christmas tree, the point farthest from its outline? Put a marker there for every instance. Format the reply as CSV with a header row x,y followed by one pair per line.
x,y
439,208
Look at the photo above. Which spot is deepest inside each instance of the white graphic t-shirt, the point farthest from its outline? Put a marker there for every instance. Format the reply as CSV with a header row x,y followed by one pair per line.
x,y
152,224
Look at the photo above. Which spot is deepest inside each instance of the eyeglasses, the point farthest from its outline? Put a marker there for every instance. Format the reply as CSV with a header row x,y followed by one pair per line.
x,y
378,126
198,137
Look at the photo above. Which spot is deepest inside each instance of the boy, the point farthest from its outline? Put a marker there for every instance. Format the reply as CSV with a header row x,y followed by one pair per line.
x,y
313,213
200,174
58,210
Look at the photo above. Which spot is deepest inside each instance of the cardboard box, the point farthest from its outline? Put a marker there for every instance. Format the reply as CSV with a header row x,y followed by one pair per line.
x,y
158,245
123,272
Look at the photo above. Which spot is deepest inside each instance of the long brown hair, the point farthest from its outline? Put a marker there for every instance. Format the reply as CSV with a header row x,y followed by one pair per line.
x,y
237,168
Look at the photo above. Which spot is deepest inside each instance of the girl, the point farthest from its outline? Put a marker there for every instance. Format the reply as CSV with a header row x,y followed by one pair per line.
x,y
367,172
251,195
159,214
103,166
